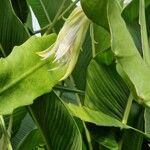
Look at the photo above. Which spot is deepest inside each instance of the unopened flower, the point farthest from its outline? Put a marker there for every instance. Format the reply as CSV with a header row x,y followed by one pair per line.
x,y
69,41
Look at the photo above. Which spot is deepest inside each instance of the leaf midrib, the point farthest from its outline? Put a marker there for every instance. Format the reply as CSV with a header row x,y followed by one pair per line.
x,y
23,76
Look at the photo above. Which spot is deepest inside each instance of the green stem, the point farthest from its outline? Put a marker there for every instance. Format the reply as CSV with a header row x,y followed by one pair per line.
x,y
46,13
144,37
127,110
9,129
7,143
2,50
56,17
92,39
126,116
59,17
66,89
41,30
68,8
88,137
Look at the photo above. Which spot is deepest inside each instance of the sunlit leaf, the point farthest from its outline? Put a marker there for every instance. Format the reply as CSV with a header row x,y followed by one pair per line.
x,y
24,76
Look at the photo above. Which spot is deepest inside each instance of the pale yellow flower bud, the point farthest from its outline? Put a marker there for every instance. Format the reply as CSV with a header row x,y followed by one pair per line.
x,y
67,47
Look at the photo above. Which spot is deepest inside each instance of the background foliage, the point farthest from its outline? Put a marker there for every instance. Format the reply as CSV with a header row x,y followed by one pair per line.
x,y
104,104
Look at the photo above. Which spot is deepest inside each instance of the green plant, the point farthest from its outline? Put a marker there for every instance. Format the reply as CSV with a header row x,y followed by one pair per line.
x,y
82,85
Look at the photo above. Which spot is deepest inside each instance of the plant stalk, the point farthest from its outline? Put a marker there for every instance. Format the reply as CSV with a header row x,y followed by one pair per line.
x,y
144,37
88,137
127,110
2,50
66,89
56,17
126,116
6,143
60,17
92,40
6,136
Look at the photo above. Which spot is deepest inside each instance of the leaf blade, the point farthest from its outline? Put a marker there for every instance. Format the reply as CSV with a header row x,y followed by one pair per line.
x,y
60,130
127,55
20,73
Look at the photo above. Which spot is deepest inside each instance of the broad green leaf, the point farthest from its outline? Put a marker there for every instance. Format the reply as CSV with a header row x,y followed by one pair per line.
x,y
27,125
32,141
92,116
127,54
99,118
105,136
134,30
24,76
46,10
17,117
56,125
21,9
105,89
96,10
106,94
131,11
12,31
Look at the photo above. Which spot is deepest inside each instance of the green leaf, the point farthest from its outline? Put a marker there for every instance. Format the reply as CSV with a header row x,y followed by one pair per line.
x,y
131,11
148,19
96,10
17,117
147,120
134,29
105,136
131,139
45,11
106,95
101,38
12,31
21,9
56,125
127,54
105,89
27,125
24,76
32,141
97,117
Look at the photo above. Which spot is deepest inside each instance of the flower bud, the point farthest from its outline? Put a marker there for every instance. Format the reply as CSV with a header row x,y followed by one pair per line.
x,y
69,41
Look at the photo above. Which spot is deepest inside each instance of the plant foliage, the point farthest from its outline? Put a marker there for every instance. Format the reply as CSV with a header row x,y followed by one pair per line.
x,y
83,83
